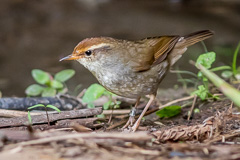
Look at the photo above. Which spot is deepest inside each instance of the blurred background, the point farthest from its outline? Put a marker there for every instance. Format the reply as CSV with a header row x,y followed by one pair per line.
x,y
35,34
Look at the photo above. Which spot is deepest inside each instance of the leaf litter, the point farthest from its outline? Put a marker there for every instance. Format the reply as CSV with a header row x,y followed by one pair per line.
x,y
211,134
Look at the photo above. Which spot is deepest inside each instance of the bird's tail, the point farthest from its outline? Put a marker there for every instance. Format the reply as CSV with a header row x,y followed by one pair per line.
x,y
195,37
187,41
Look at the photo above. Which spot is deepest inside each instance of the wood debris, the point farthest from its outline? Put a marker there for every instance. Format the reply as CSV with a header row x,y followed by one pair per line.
x,y
210,128
41,119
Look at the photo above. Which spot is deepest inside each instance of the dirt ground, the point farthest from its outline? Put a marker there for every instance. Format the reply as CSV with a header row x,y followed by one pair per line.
x,y
213,133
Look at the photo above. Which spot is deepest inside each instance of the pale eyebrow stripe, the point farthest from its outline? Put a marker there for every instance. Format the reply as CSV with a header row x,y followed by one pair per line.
x,y
99,46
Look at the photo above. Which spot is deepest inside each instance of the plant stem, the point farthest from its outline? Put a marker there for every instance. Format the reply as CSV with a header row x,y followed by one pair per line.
x,y
205,83
234,63
220,68
204,46
231,92
47,115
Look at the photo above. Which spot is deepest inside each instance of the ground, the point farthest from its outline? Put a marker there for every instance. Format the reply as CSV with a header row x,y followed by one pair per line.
x,y
213,133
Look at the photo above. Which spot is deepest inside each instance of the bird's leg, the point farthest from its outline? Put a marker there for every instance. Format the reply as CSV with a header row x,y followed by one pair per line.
x,y
135,127
132,114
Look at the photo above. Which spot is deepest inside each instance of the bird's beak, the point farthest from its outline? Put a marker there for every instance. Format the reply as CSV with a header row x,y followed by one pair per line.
x,y
69,57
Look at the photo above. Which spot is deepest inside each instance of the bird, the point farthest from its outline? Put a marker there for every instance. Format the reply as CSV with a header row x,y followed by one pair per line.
x,y
133,69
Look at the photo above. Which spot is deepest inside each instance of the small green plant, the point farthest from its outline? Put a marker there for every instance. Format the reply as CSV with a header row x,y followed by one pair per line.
x,y
233,72
205,60
200,80
94,92
228,90
41,105
169,111
48,86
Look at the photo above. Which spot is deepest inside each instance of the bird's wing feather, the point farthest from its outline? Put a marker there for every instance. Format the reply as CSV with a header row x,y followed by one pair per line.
x,y
155,51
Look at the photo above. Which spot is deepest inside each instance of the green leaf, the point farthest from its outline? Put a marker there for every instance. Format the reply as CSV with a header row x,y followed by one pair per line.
x,y
62,90
101,116
64,75
49,92
106,105
29,118
196,110
34,90
216,97
169,111
93,92
35,106
202,92
227,74
56,84
200,75
40,76
90,105
108,93
118,102
206,59
53,107
116,106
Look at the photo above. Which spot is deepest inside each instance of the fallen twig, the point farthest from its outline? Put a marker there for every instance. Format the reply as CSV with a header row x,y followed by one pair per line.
x,y
136,151
176,101
131,137
115,111
67,123
40,119
14,113
122,122
191,110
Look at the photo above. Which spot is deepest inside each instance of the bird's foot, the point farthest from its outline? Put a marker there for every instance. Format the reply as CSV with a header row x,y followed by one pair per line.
x,y
131,119
136,125
129,127
129,122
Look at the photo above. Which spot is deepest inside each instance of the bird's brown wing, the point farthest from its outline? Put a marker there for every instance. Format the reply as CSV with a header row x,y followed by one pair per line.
x,y
157,49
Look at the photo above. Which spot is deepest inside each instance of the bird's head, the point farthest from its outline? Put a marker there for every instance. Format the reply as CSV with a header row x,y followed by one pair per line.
x,y
90,49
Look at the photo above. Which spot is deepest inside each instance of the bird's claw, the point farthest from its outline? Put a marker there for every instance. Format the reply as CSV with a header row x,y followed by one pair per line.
x,y
129,122
131,119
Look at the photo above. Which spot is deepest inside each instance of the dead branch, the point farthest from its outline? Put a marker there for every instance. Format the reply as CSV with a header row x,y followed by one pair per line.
x,y
193,105
115,111
67,123
130,137
40,119
176,101
134,151
14,113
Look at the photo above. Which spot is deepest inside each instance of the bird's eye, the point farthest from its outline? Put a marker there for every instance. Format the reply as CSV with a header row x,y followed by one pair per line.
x,y
88,53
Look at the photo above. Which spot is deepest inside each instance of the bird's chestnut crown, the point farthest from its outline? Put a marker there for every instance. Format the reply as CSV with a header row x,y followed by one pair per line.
x,y
89,47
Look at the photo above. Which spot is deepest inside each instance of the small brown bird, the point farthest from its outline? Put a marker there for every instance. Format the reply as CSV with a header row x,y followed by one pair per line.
x,y
133,69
